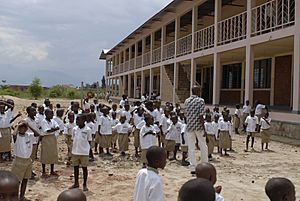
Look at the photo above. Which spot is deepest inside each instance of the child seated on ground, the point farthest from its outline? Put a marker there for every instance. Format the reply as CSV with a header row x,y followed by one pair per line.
x,y
280,189
72,195
9,186
208,171
197,190
148,186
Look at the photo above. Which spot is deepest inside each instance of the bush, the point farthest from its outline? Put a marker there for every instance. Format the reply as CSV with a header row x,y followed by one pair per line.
x,y
56,91
9,92
35,88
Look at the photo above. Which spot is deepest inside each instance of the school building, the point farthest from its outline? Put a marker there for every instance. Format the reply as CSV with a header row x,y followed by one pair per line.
x,y
236,50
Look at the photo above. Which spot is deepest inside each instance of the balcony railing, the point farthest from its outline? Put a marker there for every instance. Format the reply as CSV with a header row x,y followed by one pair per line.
x,y
131,64
169,51
156,56
204,38
139,61
232,29
273,15
121,68
126,66
146,59
184,45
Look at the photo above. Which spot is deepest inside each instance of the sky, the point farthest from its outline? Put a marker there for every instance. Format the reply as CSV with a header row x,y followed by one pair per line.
x,y
59,41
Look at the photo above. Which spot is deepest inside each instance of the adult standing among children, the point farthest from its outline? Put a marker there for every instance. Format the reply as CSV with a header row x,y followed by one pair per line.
x,y
194,111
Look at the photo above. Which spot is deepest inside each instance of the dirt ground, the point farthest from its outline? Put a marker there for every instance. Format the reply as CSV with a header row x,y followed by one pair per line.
x,y
242,175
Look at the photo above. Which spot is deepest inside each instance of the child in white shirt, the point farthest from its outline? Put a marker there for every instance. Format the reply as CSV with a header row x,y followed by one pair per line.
x,y
123,128
90,123
164,124
105,132
59,120
210,134
82,137
148,185
138,117
215,125
265,125
237,118
114,139
251,124
225,127
68,135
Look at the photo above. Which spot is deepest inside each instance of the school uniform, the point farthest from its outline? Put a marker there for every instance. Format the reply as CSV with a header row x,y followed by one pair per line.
x,y
32,123
211,136
252,123
5,132
49,152
105,139
92,126
183,139
237,118
122,130
259,111
60,123
68,130
114,136
81,146
265,125
127,114
246,112
164,123
216,130
136,120
148,186
173,136
22,165
225,132
147,140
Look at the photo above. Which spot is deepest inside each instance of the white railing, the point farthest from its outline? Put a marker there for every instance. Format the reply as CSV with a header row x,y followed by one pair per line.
x,y
156,55
138,61
232,29
146,59
273,15
204,38
131,64
169,51
184,45
126,66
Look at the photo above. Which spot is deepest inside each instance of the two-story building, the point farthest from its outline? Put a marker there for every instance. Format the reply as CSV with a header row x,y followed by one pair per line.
x,y
236,50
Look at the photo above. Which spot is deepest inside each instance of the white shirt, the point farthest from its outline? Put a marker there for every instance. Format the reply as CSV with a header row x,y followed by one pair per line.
x,y
263,123
86,105
32,123
39,118
23,145
140,125
219,197
68,130
143,98
259,108
237,113
225,126
111,111
215,126
122,103
46,125
165,122
174,132
209,128
60,123
127,114
137,119
5,120
148,186
122,128
148,140
92,126
251,123
246,109
81,138
105,124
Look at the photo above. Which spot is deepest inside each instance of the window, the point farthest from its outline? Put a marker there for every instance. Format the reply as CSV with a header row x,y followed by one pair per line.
x,y
232,74
262,73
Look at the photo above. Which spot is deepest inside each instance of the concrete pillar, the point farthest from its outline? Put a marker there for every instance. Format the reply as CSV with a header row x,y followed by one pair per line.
x,y
134,85
217,79
176,66
142,83
194,25
217,18
151,81
249,73
135,53
296,79
151,46
121,92
193,74
129,86
161,80
177,33
250,5
163,39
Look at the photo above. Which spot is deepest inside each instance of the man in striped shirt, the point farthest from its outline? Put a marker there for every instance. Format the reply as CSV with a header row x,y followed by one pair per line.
x,y
194,111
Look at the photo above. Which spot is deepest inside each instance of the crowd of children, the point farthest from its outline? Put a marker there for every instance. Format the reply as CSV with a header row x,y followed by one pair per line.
x,y
98,129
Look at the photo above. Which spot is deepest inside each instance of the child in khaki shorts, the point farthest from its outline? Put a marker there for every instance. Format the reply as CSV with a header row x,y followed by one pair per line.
x,y
68,135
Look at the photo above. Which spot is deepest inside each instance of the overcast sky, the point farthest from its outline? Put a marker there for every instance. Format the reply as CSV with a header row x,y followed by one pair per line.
x,y
59,41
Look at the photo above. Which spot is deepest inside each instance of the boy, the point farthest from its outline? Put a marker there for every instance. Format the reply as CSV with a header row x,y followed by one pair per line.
x,y
123,128
265,125
114,136
105,132
72,195
22,165
280,189
251,124
246,112
59,120
148,185
148,134
114,108
49,152
197,190
215,125
237,118
225,134
9,186
183,140
137,118
82,137
164,124
68,135
210,133
209,172
90,123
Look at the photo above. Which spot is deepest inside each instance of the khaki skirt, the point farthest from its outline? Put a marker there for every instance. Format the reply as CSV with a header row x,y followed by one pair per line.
x,y
105,141
114,137
224,140
97,138
5,140
265,136
211,143
34,152
143,156
69,143
170,145
123,142
136,140
236,122
49,153
22,168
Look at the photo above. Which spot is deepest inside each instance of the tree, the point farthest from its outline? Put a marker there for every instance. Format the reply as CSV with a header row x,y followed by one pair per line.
x,y
103,82
35,88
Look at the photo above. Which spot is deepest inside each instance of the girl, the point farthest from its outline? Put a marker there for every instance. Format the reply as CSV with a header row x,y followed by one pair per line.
x,y
124,129
210,136
265,125
225,134
68,135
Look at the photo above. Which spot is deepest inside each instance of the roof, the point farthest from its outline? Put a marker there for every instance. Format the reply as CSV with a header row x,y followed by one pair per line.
x,y
103,54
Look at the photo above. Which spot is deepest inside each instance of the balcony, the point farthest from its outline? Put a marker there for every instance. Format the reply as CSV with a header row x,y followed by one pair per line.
x,y
184,45
156,56
138,61
131,64
271,16
169,51
232,29
126,66
146,59
204,38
